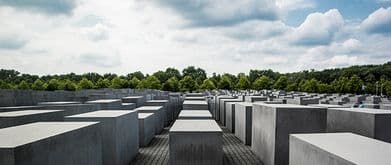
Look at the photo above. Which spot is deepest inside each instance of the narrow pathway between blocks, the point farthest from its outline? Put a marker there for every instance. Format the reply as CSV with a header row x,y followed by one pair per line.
x,y
235,152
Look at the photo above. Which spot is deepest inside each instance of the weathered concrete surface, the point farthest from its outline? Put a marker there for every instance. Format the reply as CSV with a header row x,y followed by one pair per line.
x,y
337,149
195,142
119,134
223,108
73,109
59,103
107,104
138,100
47,143
195,98
217,110
230,116
243,121
158,114
254,98
373,123
14,118
146,128
168,114
128,106
195,105
385,106
195,114
272,124
329,106
18,108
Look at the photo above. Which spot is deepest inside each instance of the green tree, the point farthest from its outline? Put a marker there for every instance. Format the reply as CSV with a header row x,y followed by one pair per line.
x,y
196,74
208,85
38,85
134,82
281,83
118,83
387,88
53,85
171,84
262,82
23,85
354,85
187,84
291,87
103,83
225,82
5,85
172,72
151,82
324,88
69,85
139,75
85,84
243,83
311,86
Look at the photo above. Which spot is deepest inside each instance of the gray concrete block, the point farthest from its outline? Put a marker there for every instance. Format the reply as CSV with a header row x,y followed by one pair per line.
x,y
272,124
73,109
195,114
230,116
119,134
195,98
217,110
195,95
107,104
47,143
254,98
167,112
372,106
59,103
158,114
337,149
329,106
373,123
195,142
128,106
195,105
18,108
223,108
146,128
243,121
382,106
138,100
14,118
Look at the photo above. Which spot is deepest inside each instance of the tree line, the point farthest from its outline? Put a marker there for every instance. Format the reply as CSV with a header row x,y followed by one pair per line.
x,y
369,79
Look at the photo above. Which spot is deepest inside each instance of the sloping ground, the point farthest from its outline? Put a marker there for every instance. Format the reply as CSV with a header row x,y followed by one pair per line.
x,y
235,152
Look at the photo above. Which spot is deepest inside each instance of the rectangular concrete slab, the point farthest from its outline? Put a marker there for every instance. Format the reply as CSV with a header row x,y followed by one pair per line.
x,y
337,149
107,103
73,109
272,124
158,114
138,100
195,142
217,110
195,105
195,114
243,121
119,134
223,109
47,143
230,116
14,118
58,103
146,128
168,113
373,123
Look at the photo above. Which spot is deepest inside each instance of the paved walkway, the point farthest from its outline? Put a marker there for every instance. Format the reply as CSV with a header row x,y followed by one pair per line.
x,y
235,152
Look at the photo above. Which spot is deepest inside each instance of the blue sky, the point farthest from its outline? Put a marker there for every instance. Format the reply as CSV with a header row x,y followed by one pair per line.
x,y
62,36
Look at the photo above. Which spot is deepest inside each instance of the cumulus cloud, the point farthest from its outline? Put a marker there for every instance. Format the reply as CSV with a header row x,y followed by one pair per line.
x,y
12,42
100,60
378,22
258,30
97,33
223,12
44,6
289,5
318,28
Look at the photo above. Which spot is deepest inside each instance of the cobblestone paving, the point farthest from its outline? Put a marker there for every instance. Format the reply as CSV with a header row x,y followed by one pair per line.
x,y
235,152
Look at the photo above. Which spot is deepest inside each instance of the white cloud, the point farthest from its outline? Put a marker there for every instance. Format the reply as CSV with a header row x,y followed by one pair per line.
x,y
378,22
97,32
289,5
318,28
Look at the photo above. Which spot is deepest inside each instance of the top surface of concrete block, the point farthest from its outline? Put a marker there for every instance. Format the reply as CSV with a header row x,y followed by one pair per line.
x,y
354,148
103,114
25,112
195,113
195,102
329,106
195,126
144,115
247,104
128,104
157,101
149,108
364,110
103,101
59,103
133,97
294,106
12,137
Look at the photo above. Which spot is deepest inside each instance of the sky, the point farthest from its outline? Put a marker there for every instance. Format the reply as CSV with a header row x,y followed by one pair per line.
x,y
122,36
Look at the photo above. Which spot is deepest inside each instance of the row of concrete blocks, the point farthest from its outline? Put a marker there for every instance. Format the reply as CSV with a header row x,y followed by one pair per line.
x,y
116,135
195,138
267,127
